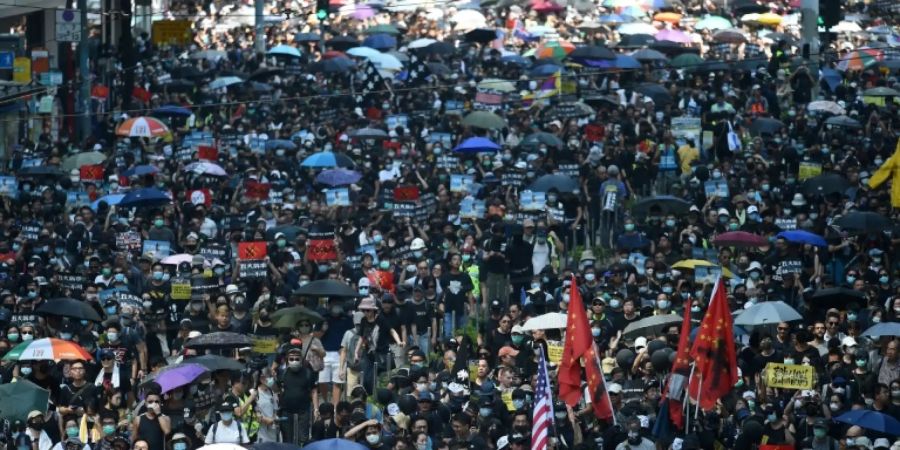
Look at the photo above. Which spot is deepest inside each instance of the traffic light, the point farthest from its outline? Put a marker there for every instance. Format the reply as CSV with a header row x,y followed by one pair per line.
x,y
322,10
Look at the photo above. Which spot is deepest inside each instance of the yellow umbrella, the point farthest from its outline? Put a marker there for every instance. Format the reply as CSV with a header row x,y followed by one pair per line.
x,y
770,19
691,264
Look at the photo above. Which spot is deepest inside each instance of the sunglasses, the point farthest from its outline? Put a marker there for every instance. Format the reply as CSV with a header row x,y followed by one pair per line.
x,y
293,359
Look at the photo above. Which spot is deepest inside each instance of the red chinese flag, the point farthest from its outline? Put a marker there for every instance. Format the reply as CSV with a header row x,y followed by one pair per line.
x,y
406,193
99,92
715,360
208,152
681,369
390,145
141,94
257,190
200,197
252,250
578,342
91,172
321,249
600,400
594,133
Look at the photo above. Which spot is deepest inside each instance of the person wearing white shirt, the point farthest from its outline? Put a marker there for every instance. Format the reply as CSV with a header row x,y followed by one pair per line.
x,y
227,430
39,438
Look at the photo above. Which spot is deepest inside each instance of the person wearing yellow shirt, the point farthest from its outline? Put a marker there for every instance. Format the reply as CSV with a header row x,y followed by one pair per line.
x,y
687,154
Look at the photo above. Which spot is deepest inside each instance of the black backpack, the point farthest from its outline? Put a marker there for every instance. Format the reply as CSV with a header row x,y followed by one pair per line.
x,y
241,432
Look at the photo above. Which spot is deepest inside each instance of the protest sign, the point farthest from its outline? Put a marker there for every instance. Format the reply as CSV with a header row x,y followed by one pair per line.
x,y
718,188
264,345
808,170
181,290
212,250
159,249
554,351
72,281
460,183
684,125
320,246
337,197
128,241
532,201
9,186
253,250
789,376
252,269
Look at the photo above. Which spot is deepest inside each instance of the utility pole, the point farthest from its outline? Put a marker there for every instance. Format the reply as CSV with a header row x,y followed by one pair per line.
x,y
84,94
260,26
809,16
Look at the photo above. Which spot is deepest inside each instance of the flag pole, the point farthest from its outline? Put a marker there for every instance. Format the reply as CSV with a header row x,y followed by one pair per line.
x,y
685,406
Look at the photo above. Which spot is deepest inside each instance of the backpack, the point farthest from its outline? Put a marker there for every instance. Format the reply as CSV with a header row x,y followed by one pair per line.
x,y
241,432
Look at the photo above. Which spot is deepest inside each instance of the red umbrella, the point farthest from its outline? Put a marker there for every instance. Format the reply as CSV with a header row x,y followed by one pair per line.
x,y
546,6
333,54
740,239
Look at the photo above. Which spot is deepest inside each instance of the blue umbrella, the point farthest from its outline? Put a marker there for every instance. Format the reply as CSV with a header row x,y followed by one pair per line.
x,y
803,237
284,50
338,177
612,18
477,145
515,59
626,62
140,170
545,70
335,444
221,82
633,11
832,77
146,197
380,41
275,144
871,420
883,329
111,199
172,110
327,159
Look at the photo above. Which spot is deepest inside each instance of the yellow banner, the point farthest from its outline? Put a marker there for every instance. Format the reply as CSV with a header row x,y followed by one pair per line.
x,y
175,32
554,352
22,70
789,376
264,346
181,291
809,170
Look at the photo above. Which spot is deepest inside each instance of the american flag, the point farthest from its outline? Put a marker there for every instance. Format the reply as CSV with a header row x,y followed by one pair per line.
x,y
542,415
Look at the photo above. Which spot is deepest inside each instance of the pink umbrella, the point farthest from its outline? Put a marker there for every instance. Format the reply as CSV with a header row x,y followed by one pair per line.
x,y
673,36
545,6
362,12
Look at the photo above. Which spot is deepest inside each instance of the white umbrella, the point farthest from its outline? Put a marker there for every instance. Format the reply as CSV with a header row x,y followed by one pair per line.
x,y
549,321
767,313
825,106
637,28
470,18
421,43
362,52
384,61
206,168
846,27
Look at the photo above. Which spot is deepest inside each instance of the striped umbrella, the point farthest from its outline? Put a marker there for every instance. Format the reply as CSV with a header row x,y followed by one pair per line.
x,y
860,59
557,49
142,127
47,349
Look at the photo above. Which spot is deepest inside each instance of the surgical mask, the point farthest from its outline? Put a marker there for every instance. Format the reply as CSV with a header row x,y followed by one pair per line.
x,y
895,393
876,319
417,253
373,438
279,152
466,257
535,285
851,316
788,360
270,382
883,279
385,265
834,406
754,275
820,432
112,336
25,371
110,429
281,243
667,289
421,387
615,303
733,226
323,268
517,339
364,291
377,238
869,402
850,279
695,309
629,227
32,294
850,441
772,417
227,415
717,174
860,363
294,365
157,276
65,336
27,337
595,332
662,304
518,404
106,271
219,271
158,223
485,412
670,223
182,445
13,337
72,431
589,277
59,251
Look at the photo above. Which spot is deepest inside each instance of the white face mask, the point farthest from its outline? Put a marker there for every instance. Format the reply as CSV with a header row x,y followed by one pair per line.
x,y
373,438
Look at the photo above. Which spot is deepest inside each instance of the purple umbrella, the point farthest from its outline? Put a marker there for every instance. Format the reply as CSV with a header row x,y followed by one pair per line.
x,y
178,376
363,12
476,145
338,177
673,36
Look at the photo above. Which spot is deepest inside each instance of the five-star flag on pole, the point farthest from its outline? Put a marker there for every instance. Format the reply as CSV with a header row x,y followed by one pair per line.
x,y
715,359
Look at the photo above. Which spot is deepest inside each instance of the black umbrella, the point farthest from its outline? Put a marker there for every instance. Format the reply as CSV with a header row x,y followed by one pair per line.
x,y
332,65
635,41
307,37
592,52
672,48
41,171
661,204
189,72
219,340
836,298
563,111
437,48
265,73
481,35
658,93
369,133
765,125
829,183
179,85
216,362
69,307
326,288
843,121
439,69
559,183
741,7
534,140
709,66
342,43
864,222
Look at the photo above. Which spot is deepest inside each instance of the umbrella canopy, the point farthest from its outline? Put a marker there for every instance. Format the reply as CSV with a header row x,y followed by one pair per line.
x,y
307,37
481,35
111,199
829,183
285,50
767,313
883,329
420,43
339,64
826,106
290,317
559,183
661,204
369,133
646,54
637,28
174,377
219,340
363,52
142,127
338,177
20,398
740,239
223,82
334,444
653,325
327,159
860,59
556,49
765,125
535,140
386,61
863,222
140,170
803,237
172,111
871,420
280,144
326,288
843,121
215,362
712,23
484,119
82,159
686,60
383,29
47,349
730,36
592,52
206,168
146,197
881,91
673,35
476,145
342,42
549,321
380,41
658,93
836,297
69,307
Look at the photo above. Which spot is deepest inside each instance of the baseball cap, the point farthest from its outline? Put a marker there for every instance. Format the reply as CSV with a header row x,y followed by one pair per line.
x,y
507,350
640,342
615,388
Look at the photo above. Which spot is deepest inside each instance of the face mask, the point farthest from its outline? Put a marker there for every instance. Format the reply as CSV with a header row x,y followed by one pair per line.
x,y
788,360
798,404
733,226
385,265
634,437
517,339
13,337
850,441
615,303
373,438
377,238
834,406
895,394
363,291
228,415
883,279
716,174
270,382
670,223
662,304
660,275
595,332
72,432
466,257
860,363
112,336
535,285
876,319
294,365
105,271
485,412
518,404
32,294
723,219
281,243
219,271
437,151
65,336
417,253
323,268
667,289
157,276
695,309
421,387
158,223
851,316
629,227
27,337
109,429
820,432
25,371
869,402
589,277
772,417
182,445
850,279
551,199
754,275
